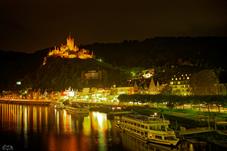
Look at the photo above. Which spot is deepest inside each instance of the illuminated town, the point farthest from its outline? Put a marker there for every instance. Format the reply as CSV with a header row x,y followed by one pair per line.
x,y
113,75
77,92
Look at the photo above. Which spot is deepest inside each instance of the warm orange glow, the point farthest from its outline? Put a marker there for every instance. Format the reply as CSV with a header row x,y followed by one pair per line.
x,y
70,50
63,144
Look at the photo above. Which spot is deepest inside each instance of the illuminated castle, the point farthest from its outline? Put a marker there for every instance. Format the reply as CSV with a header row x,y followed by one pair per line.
x,y
70,50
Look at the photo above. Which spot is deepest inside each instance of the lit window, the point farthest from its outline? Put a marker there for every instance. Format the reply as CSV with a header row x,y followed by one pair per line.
x,y
175,78
171,82
178,82
187,77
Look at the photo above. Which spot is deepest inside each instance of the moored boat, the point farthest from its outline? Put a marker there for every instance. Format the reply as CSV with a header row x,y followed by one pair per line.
x,y
150,129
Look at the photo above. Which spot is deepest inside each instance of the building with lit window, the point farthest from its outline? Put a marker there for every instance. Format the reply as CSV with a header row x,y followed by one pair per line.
x,y
180,84
94,77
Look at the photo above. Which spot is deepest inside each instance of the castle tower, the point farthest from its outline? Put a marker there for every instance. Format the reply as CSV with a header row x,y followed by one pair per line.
x,y
70,43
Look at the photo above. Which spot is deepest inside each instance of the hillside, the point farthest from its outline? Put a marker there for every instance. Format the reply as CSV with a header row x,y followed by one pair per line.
x,y
60,74
15,66
200,52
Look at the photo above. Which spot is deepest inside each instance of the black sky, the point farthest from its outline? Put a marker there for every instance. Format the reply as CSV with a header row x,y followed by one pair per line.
x,y
30,25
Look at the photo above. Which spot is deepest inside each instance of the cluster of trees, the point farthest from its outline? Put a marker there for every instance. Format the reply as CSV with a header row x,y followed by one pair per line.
x,y
206,82
174,99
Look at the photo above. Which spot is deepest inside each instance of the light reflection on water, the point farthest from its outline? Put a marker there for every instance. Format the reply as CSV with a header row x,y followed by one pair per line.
x,y
54,129
47,129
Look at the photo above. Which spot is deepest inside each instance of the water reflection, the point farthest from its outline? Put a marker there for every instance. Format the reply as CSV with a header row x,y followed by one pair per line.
x,y
47,129
54,129
23,119
99,125
133,144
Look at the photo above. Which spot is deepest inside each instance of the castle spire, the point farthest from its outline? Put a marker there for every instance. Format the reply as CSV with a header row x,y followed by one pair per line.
x,y
70,42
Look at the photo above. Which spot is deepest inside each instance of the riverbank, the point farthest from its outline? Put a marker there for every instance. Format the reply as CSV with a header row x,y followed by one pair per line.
x,y
25,101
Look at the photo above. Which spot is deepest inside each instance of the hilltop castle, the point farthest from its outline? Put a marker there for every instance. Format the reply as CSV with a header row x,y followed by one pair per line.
x,y
70,50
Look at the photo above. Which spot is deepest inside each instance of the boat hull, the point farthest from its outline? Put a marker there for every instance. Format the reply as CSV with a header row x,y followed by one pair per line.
x,y
147,140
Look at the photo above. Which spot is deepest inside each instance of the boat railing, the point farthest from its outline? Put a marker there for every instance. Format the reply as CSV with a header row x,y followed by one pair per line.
x,y
163,132
164,122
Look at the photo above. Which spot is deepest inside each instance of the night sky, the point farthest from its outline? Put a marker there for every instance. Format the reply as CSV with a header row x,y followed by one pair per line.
x,y
31,25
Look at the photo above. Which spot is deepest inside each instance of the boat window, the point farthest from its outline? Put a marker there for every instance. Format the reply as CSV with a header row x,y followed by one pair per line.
x,y
158,137
151,128
142,126
163,128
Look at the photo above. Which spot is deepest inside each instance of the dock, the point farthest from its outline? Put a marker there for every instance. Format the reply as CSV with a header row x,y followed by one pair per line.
x,y
195,131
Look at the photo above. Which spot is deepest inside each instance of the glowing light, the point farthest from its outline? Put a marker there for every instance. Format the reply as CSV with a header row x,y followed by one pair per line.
x,y
18,83
133,73
100,60
68,93
147,75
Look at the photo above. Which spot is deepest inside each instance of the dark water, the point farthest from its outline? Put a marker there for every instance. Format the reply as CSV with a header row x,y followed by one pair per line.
x,y
42,128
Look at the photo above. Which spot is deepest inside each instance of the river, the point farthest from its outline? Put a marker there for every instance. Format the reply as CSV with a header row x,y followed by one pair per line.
x,y
43,128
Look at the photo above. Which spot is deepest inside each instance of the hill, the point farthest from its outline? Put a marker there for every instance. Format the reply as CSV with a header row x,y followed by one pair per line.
x,y
60,74
198,52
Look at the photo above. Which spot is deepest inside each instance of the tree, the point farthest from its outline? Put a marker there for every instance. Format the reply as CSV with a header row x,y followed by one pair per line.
x,y
204,83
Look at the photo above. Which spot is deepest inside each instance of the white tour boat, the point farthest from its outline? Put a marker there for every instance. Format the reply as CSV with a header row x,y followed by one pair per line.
x,y
149,128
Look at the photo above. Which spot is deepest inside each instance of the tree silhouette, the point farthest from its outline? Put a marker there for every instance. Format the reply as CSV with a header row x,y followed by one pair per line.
x,y
204,83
